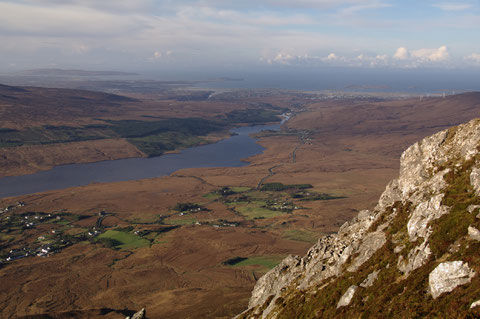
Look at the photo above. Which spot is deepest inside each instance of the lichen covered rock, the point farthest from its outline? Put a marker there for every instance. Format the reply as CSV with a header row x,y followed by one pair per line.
x,y
474,233
369,281
347,297
447,276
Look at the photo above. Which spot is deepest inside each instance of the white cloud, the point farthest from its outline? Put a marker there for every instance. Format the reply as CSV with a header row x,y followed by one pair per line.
x,y
412,58
382,57
263,18
309,4
452,6
80,48
285,58
320,3
288,59
431,55
208,33
364,5
474,57
173,5
62,21
402,58
364,60
103,5
161,55
332,57
401,54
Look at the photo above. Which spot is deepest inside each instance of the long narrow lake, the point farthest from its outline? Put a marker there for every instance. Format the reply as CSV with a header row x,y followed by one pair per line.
x,y
226,153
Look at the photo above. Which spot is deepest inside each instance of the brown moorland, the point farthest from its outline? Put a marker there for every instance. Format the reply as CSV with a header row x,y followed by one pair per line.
x,y
44,127
206,265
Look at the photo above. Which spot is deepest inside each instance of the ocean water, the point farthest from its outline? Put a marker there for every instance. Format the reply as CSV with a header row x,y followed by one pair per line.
x,y
417,80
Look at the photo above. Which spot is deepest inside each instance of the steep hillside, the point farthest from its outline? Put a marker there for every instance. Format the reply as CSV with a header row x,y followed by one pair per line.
x,y
415,255
25,106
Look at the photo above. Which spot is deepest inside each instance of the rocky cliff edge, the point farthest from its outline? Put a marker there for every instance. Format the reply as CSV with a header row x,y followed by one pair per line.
x,y
416,254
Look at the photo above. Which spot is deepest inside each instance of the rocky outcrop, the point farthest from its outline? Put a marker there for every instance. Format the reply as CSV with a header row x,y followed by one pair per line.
x,y
139,315
370,280
447,276
423,214
347,297
475,180
370,244
474,233
279,278
414,223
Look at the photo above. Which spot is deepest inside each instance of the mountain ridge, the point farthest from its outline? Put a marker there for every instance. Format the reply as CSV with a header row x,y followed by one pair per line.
x,y
415,254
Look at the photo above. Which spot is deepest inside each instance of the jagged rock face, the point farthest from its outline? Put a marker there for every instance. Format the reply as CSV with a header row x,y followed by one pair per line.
x,y
416,258
447,276
279,278
434,198
370,244
423,214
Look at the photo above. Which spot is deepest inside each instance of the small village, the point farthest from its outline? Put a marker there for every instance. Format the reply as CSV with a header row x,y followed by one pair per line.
x,y
40,234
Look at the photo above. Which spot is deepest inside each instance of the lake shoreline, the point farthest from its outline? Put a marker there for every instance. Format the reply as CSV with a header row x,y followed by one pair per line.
x,y
73,175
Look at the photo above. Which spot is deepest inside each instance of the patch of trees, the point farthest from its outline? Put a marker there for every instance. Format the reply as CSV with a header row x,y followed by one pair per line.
x,y
234,261
183,207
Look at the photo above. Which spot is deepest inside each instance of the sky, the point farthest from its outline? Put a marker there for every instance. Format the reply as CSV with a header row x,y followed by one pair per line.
x,y
239,35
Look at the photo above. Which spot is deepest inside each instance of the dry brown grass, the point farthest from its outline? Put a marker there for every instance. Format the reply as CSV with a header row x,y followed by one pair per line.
x,y
354,152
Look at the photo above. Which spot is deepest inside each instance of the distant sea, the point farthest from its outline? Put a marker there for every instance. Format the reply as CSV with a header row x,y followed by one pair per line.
x,y
421,81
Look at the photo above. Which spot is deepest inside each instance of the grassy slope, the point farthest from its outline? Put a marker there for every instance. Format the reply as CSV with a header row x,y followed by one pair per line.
x,y
124,240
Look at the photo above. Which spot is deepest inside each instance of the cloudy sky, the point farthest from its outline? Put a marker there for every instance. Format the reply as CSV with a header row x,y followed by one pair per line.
x,y
240,34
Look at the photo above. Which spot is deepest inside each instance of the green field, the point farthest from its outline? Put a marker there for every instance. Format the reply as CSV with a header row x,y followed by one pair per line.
x,y
240,189
122,240
301,235
212,196
255,210
181,221
237,203
279,187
